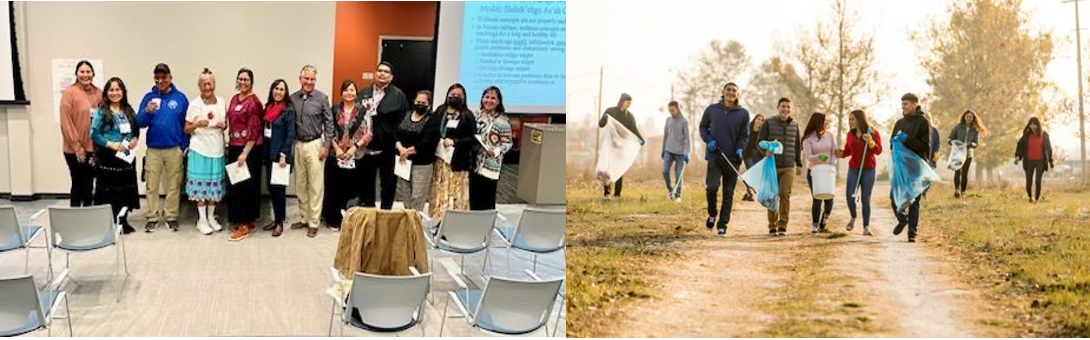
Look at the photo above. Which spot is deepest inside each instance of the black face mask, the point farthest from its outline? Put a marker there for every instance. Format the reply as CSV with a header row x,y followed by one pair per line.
x,y
454,101
421,109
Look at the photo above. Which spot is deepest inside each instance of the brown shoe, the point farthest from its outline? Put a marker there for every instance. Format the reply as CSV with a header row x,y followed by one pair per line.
x,y
240,233
269,226
312,232
299,225
279,229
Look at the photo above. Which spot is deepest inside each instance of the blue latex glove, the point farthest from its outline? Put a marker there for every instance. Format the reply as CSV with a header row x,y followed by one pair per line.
x,y
642,142
899,137
685,158
738,153
713,146
663,155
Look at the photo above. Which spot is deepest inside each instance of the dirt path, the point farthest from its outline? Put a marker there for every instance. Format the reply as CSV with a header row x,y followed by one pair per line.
x,y
749,284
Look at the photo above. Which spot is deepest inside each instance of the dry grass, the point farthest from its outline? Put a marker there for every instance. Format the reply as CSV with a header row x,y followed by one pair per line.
x,y
1037,256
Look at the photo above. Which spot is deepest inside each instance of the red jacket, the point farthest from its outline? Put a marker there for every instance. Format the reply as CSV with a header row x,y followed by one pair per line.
x,y
853,147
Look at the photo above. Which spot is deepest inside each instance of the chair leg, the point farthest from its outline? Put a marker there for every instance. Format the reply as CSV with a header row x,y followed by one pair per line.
x,y
462,267
332,307
443,324
68,315
484,266
26,264
535,264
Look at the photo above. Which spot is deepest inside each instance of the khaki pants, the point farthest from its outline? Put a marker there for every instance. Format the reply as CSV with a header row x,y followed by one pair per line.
x,y
780,217
309,177
160,161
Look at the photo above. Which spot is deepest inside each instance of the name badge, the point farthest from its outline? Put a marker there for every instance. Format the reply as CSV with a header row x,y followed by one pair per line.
x,y
452,124
268,132
238,107
125,128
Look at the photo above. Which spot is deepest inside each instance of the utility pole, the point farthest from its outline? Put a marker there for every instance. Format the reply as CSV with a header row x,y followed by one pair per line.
x,y
598,131
1082,116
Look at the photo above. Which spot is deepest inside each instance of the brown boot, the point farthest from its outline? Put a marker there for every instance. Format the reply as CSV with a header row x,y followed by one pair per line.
x,y
241,233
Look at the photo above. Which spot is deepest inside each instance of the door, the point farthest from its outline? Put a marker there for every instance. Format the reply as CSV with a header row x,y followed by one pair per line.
x,y
414,64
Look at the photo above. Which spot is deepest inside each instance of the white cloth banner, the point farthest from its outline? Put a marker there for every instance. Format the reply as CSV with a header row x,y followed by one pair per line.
x,y
618,148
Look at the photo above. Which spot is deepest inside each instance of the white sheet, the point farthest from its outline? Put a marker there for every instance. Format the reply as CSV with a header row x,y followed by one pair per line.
x,y
618,148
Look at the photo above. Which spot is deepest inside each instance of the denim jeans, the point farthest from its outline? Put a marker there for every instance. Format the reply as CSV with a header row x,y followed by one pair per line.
x,y
867,184
678,162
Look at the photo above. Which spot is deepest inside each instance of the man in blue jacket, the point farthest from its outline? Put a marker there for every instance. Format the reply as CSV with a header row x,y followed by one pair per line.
x,y
723,128
163,111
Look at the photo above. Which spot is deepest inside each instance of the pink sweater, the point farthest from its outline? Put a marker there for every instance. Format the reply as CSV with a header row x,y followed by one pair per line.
x,y
813,146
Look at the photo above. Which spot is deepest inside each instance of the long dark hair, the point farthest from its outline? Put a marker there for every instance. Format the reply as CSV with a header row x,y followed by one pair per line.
x,y
817,122
499,97
461,108
104,107
978,125
272,87
1032,121
752,123
88,63
861,121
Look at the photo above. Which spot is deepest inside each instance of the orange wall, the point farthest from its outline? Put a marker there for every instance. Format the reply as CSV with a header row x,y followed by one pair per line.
x,y
357,28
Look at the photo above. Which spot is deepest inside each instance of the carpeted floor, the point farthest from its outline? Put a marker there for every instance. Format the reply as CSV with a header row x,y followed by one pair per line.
x,y
187,284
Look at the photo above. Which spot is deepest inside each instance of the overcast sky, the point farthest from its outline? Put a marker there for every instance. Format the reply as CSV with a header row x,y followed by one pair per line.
x,y
639,43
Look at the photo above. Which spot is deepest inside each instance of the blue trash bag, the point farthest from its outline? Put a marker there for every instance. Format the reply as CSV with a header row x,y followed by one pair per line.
x,y
772,146
762,177
909,175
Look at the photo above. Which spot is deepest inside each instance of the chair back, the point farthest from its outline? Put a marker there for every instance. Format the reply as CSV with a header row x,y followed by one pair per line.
x,y
77,227
388,302
467,230
540,230
510,306
20,311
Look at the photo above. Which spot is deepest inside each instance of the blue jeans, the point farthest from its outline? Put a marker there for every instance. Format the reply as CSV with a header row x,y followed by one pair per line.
x,y
913,217
679,162
867,183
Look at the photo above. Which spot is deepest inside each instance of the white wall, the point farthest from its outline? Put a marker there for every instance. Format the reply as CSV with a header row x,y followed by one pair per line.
x,y
275,39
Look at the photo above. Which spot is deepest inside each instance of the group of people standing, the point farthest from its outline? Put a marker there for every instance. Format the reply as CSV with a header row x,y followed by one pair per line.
x,y
732,139
335,152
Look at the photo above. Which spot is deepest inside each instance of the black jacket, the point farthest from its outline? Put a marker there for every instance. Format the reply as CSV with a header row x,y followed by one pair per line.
x,y
463,136
425,142
787,133
918,129
624,117
389,114
1022,151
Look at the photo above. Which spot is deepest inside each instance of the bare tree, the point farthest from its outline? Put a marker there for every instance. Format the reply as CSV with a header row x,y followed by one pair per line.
x,y
837,66
701,84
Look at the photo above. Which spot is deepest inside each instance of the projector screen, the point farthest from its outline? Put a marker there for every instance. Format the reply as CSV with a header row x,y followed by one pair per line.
x,y
517,46
11,84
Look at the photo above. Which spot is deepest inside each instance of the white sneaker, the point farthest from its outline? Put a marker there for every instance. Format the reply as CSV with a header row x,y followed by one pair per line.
x,y
677,199
202,226
215,224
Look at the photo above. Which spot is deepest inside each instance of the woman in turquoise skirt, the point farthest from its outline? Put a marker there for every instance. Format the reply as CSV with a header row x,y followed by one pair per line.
x,y
205,122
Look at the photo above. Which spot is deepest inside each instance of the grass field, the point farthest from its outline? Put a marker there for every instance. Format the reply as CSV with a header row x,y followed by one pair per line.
x,y
1036,254
609,253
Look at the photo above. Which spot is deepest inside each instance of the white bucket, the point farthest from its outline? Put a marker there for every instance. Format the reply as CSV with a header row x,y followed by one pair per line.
x,y
824,181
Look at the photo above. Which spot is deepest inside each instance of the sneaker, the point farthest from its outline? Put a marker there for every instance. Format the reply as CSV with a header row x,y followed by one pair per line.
x,y
669,196
606,197
150,226
203,227
711,222
747,198
677,198
240,233
722,230
911,239
127,229
814,231
899,228
772,232
866,231
781,231
851,224
215,224
957,194
173,225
